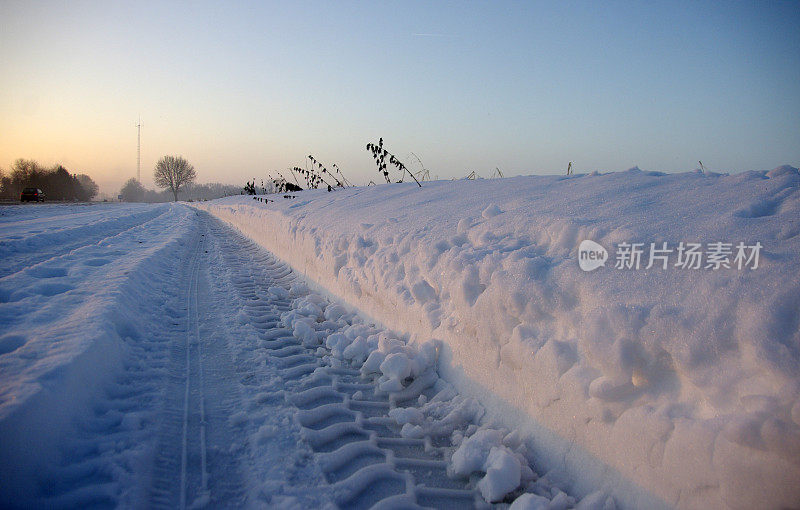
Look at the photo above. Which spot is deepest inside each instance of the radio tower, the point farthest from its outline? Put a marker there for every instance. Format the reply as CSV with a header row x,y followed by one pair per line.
x,y
139,150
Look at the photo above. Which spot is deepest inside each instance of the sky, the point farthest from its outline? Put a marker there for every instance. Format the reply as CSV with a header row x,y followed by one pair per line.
x,y
243,90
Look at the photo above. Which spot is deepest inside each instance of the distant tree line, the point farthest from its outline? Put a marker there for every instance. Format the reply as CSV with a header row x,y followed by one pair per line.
x,y
133,191
56,182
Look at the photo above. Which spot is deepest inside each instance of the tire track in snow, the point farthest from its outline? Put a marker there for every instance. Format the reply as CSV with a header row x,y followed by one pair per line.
x,y
193,338
82,237
193,467
342,415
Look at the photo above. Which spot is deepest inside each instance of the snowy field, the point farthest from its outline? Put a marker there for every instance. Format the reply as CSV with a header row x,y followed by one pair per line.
x,y
400,347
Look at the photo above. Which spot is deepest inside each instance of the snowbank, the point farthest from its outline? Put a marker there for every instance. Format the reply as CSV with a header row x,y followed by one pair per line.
x,y
673,386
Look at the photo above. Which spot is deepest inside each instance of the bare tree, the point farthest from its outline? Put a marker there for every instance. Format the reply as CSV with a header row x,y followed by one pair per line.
x,y
173,172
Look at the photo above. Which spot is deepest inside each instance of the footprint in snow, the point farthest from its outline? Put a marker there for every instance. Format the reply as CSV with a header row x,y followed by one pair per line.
x,y
52,289
47,272
11,343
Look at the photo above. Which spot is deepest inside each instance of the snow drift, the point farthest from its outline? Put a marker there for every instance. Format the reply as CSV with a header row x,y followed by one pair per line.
x,y
664,385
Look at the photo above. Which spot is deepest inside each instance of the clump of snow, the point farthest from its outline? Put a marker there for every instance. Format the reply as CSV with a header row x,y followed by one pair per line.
x,y
502,474
278,292
443,415
673,387
487,452
398,363
305,332
530,501
307,319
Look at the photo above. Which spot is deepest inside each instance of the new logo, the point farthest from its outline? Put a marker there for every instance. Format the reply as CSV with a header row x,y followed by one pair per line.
x,y
591,255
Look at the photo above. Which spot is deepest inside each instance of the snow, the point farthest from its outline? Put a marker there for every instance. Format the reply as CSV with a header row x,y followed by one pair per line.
x,y
667,387
28,231
430,346
530,502
171,363
484,452
48,298
71,318
502,470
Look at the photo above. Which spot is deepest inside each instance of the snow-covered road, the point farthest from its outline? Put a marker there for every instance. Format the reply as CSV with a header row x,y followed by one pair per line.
x,y
153,357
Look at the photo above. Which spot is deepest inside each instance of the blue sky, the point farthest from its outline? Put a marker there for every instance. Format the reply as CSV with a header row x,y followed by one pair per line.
x,y
241,89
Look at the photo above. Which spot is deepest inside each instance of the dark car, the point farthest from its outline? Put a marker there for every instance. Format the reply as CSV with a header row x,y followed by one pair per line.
x,y
31,195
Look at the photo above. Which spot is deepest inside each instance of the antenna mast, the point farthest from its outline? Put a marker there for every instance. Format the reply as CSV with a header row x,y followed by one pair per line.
x,y
139,150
